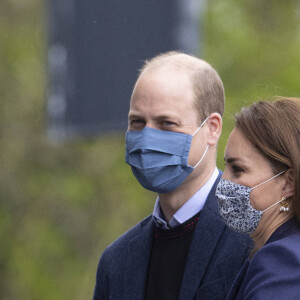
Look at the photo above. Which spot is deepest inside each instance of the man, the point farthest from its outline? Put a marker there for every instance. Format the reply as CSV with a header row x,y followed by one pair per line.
x,y
183,250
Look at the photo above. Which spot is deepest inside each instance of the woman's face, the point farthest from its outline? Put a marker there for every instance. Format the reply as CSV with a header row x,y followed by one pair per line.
x,y
246,166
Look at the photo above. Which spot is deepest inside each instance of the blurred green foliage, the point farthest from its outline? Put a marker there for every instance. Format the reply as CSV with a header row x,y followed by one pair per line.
x,y
254,45
61,205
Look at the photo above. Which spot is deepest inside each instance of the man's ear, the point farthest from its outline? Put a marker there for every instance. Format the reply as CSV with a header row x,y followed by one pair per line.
x,y
214,124
288,189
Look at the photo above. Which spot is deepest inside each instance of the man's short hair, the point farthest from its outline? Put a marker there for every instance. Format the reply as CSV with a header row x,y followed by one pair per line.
x,y
206,82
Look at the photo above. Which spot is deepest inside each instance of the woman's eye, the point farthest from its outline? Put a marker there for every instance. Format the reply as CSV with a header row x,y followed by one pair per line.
x,y
237,169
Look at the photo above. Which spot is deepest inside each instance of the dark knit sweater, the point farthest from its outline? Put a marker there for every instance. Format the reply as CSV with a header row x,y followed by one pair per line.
x,y
167,261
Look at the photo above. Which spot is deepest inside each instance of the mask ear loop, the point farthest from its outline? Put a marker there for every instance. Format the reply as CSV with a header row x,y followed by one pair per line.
x,y
267,180
282,199
206,146
201,157
200,126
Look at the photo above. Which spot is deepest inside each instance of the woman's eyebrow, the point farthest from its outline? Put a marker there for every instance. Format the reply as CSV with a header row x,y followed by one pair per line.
x,y
232,159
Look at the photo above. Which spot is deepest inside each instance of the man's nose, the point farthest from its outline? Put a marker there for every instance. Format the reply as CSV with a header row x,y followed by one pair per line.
x,y
151,124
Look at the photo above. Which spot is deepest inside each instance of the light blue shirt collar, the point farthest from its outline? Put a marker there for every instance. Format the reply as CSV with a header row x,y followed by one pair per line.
x,y
189,209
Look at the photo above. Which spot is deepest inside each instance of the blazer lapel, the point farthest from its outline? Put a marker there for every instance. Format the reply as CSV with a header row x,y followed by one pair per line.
x,y
238,281
206,236
137,262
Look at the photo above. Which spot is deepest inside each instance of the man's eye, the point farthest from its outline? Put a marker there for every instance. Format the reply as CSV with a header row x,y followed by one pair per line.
x,y
136,121
136,124
168,123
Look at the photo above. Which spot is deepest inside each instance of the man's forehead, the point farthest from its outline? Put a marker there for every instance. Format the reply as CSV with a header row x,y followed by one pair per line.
x,y
160,75
166,69
178,61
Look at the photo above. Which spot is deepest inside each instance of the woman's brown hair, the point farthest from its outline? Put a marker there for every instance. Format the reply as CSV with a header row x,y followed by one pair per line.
x,y
273,127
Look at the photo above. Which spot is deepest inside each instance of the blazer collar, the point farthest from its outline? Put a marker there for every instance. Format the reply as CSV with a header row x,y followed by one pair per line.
x,y
291,226
207,233
233,292
206,236
137,264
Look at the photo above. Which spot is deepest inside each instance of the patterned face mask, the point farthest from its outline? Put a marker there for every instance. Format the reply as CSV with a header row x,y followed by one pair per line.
x,y
235,208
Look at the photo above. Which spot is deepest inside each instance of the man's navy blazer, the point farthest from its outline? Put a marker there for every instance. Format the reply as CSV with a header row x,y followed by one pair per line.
x,y
274,271
215,256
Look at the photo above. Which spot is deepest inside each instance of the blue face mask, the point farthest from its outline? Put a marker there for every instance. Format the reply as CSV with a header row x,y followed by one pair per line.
x,y
159,159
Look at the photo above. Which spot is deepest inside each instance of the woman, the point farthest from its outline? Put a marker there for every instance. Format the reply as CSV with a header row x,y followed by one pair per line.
x,y
259,194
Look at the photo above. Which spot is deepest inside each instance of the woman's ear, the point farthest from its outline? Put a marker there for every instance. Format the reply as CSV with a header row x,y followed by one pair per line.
x,y
288,189
215,127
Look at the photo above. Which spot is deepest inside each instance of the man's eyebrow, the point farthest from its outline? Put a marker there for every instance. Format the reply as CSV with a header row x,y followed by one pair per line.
x,y
163,117
134,115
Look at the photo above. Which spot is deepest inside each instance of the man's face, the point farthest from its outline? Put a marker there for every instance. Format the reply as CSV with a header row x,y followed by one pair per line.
x,y
164,100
